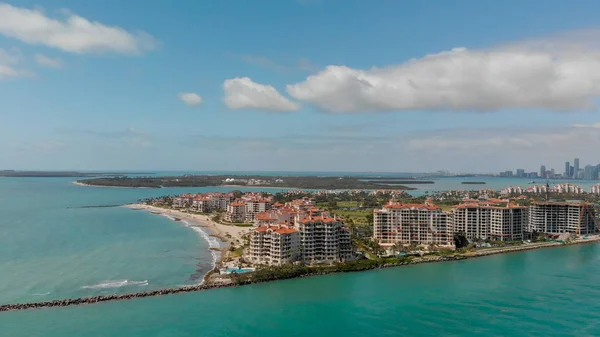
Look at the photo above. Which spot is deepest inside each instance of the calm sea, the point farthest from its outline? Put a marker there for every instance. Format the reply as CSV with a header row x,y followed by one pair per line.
x,y
51,248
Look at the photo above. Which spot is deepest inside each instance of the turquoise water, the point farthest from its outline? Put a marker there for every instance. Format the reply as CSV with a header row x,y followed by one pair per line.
x,y
550,292
51,249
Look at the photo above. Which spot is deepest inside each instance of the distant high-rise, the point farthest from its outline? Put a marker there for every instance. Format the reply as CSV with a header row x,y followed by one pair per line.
x,y
590,172
520,173
567,169
543,171
576,168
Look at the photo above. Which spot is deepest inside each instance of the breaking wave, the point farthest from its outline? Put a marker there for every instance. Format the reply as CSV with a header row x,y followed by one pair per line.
x,y
116,284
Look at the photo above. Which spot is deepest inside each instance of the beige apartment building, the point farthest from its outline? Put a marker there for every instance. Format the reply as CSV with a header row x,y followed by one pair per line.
x,y
274,245
323,239
489,220
563,217
420,224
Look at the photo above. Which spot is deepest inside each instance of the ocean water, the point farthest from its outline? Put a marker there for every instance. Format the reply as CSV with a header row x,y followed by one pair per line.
x,y
52,248
53,245
549,292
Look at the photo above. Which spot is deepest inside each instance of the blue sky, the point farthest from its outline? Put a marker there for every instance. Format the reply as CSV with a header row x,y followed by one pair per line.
x,y
315,85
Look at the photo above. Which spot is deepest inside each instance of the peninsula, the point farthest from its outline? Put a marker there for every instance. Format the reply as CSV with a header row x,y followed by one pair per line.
x,y
296,182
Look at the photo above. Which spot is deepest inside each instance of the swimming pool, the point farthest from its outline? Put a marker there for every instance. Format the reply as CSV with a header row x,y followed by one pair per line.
x,y
236,270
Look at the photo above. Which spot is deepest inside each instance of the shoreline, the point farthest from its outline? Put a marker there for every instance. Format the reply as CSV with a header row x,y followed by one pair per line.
x,y
208,286
220,231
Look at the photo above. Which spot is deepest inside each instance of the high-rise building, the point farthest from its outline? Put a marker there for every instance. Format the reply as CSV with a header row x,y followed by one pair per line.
x,y
520,173
563,217
495,220
420,224
567,169
576,168
543,171
590,172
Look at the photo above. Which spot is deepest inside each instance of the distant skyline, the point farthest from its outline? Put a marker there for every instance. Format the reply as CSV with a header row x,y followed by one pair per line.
x,y
291,85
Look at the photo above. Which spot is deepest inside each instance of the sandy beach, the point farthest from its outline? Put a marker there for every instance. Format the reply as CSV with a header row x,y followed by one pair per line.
x,y
227,233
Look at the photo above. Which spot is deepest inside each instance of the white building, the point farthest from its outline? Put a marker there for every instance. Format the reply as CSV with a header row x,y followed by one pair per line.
x,y
512,190
567,188
421,224
595,189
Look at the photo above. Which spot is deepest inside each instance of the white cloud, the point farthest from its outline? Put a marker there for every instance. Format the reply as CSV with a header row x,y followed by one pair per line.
x,y
73,34
190,98
243,93
48,62
9,60
557,73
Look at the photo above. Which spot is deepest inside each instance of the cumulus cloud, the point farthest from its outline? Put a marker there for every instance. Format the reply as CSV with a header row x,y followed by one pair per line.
x,y
556,73
190,98
73,34
48,62
243,93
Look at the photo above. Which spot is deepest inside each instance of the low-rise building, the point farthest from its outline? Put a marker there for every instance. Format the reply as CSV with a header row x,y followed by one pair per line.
x,y
420,224
182,201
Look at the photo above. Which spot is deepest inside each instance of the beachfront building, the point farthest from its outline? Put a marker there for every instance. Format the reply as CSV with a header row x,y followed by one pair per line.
x,y
420,224
275,216
255,206
567,188
537,189
323,239
595,189
512,190
492,219
182,201
274,245
236,211
563,217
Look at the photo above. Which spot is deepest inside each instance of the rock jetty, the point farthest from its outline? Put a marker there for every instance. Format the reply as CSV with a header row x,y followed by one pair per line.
x,y
106,298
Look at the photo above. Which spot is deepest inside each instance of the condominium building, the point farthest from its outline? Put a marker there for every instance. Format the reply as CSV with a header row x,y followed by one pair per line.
x,y
563,217
255,206
236,211
595,189
567,188
421,224
283,215
492,219
182,201
274,245
512,190
323,239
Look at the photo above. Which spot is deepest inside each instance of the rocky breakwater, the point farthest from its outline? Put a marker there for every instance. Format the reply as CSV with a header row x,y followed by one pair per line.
x,y
107,298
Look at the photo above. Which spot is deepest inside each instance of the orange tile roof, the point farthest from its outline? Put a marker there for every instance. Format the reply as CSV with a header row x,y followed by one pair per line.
x,y
418,206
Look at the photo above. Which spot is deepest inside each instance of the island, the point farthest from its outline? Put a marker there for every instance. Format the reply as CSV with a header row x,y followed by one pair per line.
x,y
296,182
473,183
